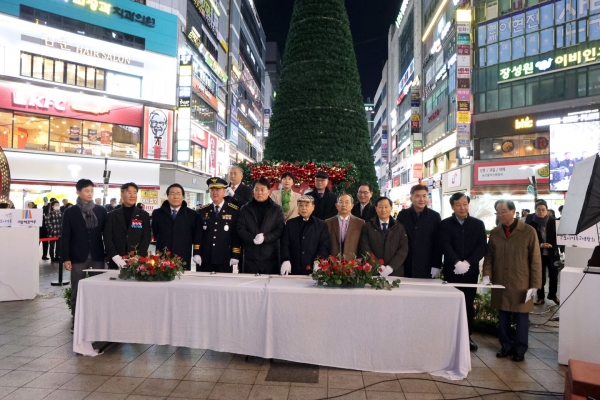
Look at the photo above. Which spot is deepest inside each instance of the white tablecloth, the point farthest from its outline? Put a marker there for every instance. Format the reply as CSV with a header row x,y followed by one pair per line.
x,y
409,329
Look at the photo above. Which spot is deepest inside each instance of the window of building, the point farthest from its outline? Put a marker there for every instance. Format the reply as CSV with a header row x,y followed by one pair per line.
x,y
504,95
6,125
532,144
30,131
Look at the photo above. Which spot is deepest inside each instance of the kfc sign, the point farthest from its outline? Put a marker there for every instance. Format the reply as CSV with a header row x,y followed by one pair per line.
x,y
39,101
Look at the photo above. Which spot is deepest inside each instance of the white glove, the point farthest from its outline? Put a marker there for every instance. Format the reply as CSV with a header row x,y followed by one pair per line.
x,y
316,266
229,192
259,239
529,294
197,260
486,280
386,270
233,263
461,267
286,268
435,272
119,261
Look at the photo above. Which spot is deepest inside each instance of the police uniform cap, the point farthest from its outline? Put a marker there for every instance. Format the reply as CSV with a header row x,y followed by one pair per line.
x,y
216,183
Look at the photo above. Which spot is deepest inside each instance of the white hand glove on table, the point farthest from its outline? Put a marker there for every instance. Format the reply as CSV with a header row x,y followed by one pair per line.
x,y
435,272
119,261
387,270
486,280
197,260
259,239
286,268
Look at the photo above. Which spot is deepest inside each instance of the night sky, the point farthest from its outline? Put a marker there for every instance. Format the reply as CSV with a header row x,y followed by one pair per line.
x,y
369,22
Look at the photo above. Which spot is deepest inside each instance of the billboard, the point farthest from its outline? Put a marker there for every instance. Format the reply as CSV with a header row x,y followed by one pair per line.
x,y
158,133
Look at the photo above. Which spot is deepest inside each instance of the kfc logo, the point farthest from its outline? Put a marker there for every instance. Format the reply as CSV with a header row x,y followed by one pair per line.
x,y
39,101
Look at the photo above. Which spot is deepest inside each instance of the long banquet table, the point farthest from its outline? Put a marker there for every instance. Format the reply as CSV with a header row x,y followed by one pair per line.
x,y
409,329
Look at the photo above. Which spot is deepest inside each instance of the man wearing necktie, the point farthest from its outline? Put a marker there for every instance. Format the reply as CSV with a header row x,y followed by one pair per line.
x,y
344,230
220,246
386,239
176,227
324,199
237,192
363,209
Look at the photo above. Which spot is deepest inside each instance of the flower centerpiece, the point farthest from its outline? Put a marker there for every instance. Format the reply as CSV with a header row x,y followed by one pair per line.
x,y
363,271
162,266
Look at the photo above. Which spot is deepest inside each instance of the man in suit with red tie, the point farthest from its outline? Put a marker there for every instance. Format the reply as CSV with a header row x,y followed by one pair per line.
x,y
344,230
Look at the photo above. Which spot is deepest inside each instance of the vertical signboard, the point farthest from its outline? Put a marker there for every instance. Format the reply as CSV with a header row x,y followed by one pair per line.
x,y
158,133
463,76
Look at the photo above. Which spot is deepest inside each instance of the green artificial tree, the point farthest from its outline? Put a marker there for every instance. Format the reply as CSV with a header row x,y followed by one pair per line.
x,y
318,113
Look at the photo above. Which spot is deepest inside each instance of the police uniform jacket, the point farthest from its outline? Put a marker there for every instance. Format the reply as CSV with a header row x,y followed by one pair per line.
x,y
120,239
219,241
179,235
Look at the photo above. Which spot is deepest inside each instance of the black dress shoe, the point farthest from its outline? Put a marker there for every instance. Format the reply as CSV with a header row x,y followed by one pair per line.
x,y
555,299
503,353
45,258
518,357
539,302
472,345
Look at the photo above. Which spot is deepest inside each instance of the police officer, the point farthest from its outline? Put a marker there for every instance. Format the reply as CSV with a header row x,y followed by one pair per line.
x,y
220,246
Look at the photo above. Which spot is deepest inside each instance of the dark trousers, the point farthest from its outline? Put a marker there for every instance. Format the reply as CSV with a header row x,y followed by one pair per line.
x,y
78,274
548,265
468,292
55,249
520,343
214,268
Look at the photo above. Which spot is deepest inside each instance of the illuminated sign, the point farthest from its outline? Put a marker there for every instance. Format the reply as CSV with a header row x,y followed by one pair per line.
x,y
209,13
464,106
401,13
195,37
579,116
575,58
523,123
64,44
95,5
463,117
406,76
433,115
133,16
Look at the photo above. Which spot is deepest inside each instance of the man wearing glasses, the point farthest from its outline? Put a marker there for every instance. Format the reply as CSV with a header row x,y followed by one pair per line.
x,y
364,209
177,227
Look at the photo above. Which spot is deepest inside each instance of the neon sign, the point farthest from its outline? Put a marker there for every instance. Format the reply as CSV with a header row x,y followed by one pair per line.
x,y
401,13
95,5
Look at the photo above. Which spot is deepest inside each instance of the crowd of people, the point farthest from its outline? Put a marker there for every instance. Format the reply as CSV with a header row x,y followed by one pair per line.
x,y
256,230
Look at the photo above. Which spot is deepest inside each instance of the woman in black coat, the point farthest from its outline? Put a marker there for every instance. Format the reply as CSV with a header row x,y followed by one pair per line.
x,y
545,226
260,226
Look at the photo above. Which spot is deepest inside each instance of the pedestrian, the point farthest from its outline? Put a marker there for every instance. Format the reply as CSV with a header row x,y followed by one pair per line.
x,y
238,192
64,205
560,208
386,239
286,197
11,205
127,229
305,238
53,227
324,198
545,226
552,214
524,213
98,201
464,244
512,260
43,230
260,226
422,226
363,209
344,229
112,205
176,227
220,245
81,244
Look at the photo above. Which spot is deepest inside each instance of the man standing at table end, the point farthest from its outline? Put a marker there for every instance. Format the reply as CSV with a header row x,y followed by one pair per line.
x,y
512,260
237,192
364,209
176,226
463,242
220,245
81,242
385,238
422,226
127,228
324,198
344,229
304,239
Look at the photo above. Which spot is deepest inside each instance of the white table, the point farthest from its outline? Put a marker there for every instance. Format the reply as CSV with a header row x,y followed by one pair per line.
x,y
579,330
409,329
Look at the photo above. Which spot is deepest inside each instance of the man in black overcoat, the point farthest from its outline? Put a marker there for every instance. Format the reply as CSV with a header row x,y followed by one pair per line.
x,y
237,193
325,199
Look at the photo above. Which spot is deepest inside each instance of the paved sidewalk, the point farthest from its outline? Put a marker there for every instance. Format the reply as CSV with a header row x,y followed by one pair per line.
x,y
37,362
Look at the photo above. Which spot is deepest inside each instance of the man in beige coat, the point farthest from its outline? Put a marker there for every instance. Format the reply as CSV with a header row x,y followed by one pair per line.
x,y
513,260
344,229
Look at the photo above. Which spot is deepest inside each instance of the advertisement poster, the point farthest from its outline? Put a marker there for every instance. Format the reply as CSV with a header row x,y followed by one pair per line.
x,y
212,154
74,132
93,136
158,133
105,137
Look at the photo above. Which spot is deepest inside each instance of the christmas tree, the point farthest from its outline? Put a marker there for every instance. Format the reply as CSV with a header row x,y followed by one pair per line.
x,y
318,113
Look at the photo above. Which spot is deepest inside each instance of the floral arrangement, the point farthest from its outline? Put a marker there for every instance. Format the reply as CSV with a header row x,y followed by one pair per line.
x,y
342,174
162,266
335,271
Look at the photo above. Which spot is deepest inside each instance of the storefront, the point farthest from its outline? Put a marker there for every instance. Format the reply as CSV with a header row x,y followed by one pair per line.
x,y
453,181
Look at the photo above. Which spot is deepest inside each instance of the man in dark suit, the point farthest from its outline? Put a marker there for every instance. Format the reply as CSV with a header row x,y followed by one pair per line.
x,y
464,243
422,226
344,230
364,209
64,205
112,205
81,245
324,199
220,246
238,193
304,239
176,227
127,229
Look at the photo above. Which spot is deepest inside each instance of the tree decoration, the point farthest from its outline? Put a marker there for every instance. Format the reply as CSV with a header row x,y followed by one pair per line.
x,y
319,112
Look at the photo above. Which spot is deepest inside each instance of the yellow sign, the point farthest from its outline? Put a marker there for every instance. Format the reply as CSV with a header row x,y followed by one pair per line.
x,y
463,117
523,123
149,197
95,5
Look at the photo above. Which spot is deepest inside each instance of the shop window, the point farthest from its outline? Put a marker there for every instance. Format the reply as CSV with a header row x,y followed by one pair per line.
x,y
30,131
6,126
100,80
504,98
518,95
65,135
71,71
491,103
38,64
59,71
199,158
25,64
48,69
203,113
80,75
125,141
90,77
533,144
594,81
97,138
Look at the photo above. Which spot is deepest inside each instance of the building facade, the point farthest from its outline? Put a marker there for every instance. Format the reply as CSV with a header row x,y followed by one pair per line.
x,y
379,134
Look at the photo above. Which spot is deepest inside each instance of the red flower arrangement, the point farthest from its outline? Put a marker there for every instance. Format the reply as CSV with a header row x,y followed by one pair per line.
x,y
363,271
162,266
